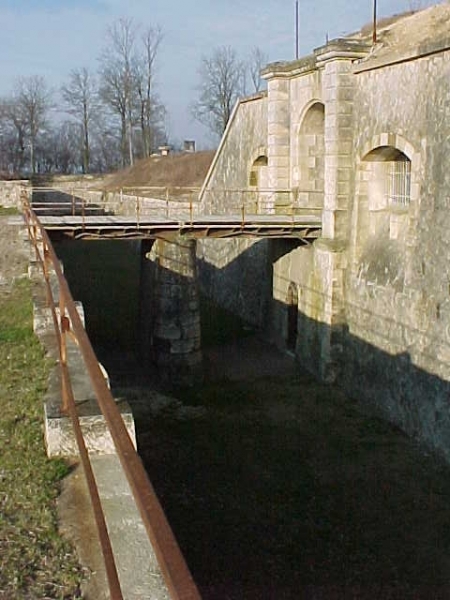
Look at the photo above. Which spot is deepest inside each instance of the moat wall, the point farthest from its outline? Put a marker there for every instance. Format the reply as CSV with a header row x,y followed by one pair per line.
x,y
372,296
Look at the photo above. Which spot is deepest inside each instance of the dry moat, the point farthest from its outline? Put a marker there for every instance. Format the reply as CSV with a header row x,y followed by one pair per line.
x,y
276,487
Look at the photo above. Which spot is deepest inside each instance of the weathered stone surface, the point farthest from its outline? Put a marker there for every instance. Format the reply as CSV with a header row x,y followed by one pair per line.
x,y
12,193
374,310
236,274
244,141
170,312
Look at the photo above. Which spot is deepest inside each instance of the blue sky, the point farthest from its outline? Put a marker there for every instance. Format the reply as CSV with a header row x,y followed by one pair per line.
x,y
52,37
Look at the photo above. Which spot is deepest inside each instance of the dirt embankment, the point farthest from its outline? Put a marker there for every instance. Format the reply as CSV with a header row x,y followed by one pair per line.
x,y
177,170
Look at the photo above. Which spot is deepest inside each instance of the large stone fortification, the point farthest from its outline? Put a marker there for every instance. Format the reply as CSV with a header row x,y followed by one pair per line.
x,y
356,133
359,133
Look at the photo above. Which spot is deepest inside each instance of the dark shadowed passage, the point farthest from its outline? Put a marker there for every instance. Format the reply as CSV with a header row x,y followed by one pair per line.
x,y
278,487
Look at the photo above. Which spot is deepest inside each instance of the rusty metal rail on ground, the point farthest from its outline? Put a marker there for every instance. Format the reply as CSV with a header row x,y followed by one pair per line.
x,y
175,571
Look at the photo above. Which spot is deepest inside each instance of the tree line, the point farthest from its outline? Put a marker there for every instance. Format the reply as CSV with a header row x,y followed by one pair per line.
x,y
99,121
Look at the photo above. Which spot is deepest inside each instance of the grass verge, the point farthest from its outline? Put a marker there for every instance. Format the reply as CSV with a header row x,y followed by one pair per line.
x,y
10,210
34,561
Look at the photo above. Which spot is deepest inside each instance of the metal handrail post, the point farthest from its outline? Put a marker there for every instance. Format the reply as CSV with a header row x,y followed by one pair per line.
x,y
64,326
46,258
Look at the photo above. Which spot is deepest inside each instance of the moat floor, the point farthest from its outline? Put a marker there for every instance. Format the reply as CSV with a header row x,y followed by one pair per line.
x,y
280,488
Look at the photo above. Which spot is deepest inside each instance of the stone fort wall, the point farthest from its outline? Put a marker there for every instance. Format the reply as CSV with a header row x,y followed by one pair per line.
x,y
373,294
397,352
236,273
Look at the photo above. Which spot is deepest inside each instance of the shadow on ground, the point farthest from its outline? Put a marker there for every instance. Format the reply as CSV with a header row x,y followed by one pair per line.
x,y
278,487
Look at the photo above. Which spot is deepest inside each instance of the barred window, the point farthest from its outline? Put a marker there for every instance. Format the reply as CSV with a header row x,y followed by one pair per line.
x,y
398,183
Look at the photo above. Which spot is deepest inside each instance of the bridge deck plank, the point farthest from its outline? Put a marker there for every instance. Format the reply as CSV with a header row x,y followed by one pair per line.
x,y
306,227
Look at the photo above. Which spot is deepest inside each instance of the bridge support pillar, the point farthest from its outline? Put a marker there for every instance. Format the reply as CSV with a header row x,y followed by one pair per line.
x,y
170,311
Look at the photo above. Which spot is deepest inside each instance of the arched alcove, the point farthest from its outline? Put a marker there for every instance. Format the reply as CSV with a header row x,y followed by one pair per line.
x,y
311,157
258,172
258,184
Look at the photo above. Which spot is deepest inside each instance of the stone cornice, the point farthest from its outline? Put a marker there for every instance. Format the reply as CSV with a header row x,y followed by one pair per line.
x,y
289,68
345,49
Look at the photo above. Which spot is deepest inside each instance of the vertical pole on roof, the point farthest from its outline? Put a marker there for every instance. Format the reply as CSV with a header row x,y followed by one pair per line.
x,y
296,29
374,34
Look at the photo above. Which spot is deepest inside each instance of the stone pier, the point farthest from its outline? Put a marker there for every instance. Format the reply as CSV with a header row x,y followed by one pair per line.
x,y
170,312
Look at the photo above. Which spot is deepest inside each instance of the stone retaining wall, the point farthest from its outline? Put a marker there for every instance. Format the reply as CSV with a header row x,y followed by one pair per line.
x,y
11,193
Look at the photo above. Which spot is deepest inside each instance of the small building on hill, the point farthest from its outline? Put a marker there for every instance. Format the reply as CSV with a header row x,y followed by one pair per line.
x,y
358,133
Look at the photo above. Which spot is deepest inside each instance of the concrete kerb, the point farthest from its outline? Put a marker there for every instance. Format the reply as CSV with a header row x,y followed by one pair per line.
x,y
139,572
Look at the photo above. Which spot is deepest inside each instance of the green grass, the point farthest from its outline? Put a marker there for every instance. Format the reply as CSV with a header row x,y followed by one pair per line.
x,y
35,562
10,210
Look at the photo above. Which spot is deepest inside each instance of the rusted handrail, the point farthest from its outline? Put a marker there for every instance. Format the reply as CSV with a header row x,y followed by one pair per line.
x,y
243,201
175,571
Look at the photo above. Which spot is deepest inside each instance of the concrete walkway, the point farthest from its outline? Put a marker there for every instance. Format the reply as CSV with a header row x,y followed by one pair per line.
x,y
138,570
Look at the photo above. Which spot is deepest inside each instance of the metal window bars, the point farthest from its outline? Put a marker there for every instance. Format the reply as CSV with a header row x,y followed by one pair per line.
x,y
398,183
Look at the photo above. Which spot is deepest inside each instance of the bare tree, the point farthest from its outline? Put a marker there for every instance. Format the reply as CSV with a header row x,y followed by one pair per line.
x,y
33,97
151,111
117,72
256,62
80,98
58,148
105,145
13,135
221,84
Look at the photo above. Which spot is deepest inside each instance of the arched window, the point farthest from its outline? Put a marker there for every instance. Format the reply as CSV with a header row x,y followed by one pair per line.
x,y
389,177
309,173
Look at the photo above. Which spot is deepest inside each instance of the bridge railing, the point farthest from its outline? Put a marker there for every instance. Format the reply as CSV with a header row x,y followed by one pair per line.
x,y
135,202
178,202
66,322
261,201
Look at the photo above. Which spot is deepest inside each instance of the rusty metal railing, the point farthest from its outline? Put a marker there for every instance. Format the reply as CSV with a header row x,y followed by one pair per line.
x,y
138,201
174,569
180,203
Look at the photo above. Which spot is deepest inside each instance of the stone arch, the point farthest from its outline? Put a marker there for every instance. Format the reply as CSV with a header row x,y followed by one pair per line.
x,y
389,139
258,173
258,184
310,168
292,317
